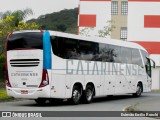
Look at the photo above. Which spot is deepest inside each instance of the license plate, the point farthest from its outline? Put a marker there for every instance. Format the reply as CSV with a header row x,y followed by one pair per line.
x,y
24,91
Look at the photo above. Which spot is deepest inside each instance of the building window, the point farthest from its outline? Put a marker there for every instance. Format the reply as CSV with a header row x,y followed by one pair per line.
x,y
124,7
124,33
114,8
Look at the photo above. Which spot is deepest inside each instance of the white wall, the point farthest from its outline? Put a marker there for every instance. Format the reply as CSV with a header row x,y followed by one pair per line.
x,y
136,30
102,10
156,78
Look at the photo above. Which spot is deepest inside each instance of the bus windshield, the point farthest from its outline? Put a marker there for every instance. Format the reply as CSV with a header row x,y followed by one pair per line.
x,y
29,40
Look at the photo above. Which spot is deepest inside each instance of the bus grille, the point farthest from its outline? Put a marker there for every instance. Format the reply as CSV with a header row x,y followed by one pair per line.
x,y
24,62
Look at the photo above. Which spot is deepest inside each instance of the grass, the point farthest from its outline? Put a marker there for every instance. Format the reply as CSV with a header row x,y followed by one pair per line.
x,y
4,97
156,91
132,108
3,92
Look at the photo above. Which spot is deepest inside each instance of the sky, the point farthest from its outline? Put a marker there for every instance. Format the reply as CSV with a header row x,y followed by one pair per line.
x,y
39,7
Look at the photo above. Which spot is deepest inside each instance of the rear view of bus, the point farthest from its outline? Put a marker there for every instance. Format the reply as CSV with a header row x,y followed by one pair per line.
x,y
26,76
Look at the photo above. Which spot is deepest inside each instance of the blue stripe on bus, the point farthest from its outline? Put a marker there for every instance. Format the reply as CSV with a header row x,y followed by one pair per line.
x,y
46,51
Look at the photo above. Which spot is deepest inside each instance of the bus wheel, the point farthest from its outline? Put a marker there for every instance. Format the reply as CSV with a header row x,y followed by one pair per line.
x,y
139,90
88,94
76,95
40,101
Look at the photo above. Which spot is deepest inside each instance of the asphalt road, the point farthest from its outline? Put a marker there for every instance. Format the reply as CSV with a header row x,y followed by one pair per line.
x,y
115,103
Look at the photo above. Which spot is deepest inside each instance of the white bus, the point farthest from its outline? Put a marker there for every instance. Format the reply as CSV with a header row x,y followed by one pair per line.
x,y
49,65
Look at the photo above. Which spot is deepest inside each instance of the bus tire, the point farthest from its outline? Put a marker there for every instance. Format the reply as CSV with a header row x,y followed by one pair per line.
x,y
88,94
139,90
76,95
40,101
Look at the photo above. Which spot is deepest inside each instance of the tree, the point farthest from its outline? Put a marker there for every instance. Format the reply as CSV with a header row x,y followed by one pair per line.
x,y
85,31
14,21
104,32
61,27
19,15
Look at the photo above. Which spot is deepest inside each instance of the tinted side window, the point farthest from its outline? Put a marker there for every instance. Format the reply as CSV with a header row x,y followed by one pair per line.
x,y
103,53
136,58
57,45
114,53
144,55
65,47
25,40
88,50
146,62
70,48
126,55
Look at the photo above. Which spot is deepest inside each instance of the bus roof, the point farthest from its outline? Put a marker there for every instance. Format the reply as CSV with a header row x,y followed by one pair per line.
x,y
93,39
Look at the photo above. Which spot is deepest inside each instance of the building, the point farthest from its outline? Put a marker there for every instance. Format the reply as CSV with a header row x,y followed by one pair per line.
x,y
94,13
134,20
144,28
